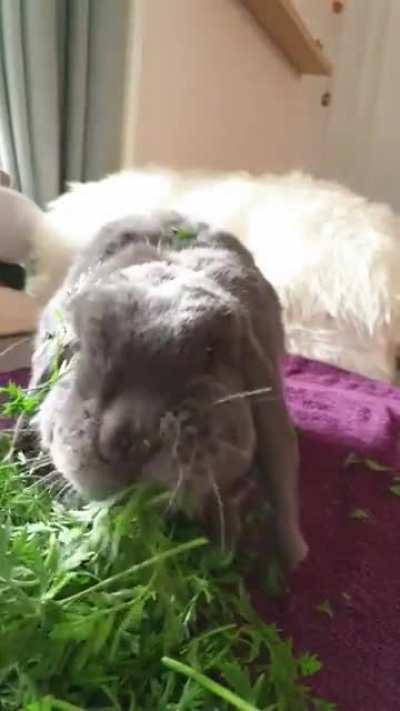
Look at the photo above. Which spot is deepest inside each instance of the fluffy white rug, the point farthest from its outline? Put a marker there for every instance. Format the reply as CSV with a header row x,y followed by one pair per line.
x,y
333,257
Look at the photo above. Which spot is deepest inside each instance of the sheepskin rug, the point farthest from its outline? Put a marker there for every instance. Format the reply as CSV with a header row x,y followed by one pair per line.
x,y
333,256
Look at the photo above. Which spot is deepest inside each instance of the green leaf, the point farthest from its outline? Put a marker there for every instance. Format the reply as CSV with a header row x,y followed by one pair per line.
x,y
274,581
18,401
103,631
309,664
74,628
371,464
376,466
322,705
259,689
192,699
92,595
184,235
212,686
238,679
351,459
360,514
395,489
325,608
50,703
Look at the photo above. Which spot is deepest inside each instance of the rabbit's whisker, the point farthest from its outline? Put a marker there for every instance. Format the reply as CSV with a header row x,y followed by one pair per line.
x,y
176,490
45,480
220,505
15,345
242,395
64,490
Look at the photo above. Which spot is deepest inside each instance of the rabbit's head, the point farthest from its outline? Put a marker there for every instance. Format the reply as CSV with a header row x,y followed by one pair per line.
x,y
150,391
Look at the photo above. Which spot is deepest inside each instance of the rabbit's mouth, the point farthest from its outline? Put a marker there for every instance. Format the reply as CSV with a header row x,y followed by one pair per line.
x,y
210,440
203,445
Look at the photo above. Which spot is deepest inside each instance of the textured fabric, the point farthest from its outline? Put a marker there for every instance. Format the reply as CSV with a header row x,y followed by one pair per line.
x,y
61,91
20,377
353,564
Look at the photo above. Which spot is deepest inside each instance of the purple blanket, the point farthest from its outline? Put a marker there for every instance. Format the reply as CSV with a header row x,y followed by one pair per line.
x,y
351,521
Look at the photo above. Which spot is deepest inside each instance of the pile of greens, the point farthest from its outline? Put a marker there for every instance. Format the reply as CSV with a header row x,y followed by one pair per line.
x,y
113,606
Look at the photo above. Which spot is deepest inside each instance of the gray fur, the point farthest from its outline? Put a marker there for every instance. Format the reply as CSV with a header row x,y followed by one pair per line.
x,y
160,331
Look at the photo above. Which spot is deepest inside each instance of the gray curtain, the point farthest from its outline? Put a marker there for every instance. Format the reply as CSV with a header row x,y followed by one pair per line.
x,y
62,65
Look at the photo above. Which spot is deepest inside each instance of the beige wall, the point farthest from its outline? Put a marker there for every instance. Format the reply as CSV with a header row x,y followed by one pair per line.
x,y
17,312
363,139
212,91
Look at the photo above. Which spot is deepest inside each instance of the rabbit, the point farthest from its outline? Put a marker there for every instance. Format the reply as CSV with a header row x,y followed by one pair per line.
x,y
171,341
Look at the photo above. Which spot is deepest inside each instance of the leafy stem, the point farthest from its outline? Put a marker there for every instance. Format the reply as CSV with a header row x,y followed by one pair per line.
x,y
171,553
212,686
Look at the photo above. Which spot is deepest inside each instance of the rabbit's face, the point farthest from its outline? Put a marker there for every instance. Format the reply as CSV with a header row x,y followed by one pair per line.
x,y
150,393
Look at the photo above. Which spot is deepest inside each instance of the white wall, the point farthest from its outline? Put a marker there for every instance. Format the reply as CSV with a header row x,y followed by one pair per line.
x,y
363,136
211,90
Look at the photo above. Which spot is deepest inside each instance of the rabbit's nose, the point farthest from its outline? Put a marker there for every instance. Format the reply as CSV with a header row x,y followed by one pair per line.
x,y
127,434
116,444
122,446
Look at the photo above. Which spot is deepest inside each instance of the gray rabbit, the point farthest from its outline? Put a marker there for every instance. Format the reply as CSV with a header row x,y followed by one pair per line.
x,y
172,341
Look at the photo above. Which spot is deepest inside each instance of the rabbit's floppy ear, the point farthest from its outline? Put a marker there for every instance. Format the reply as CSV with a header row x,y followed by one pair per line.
x,y
49,353
87,309
277,451
93,311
